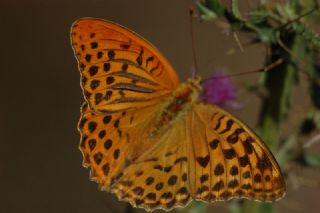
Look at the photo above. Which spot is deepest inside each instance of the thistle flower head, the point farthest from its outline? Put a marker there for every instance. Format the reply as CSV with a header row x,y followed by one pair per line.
x,y
220,90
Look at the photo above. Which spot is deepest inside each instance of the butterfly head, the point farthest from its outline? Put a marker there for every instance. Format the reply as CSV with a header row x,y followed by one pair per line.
x,y
195,83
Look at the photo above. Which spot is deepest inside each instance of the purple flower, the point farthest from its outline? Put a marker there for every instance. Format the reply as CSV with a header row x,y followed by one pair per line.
x,y
220,90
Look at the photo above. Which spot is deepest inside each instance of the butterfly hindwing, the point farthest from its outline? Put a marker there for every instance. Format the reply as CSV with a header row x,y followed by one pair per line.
x,y
110,141
230,160
119,69
204,156
159,177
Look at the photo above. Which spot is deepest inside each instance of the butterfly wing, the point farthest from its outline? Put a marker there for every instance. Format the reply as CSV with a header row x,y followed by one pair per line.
x,y
229,160
109,142
125,81
158,179
207,155
119,69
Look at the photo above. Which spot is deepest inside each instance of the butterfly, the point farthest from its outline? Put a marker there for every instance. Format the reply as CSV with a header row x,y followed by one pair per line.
x,y
151,140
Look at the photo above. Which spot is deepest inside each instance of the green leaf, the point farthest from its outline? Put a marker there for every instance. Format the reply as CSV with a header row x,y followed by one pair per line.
x,y
285,12
215,6
235,10
307,34
205,12
258,16
266,34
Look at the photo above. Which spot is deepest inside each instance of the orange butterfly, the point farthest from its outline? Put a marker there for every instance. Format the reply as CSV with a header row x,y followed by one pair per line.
x,y
151,140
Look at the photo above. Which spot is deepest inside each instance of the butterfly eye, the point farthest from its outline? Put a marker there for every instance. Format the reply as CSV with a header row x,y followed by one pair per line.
x,y
181,101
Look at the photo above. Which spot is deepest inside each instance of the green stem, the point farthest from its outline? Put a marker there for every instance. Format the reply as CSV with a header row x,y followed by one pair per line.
x,y
279,83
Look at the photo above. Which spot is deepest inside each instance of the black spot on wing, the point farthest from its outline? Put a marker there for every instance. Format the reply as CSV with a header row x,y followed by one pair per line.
x,y
230,122
203,161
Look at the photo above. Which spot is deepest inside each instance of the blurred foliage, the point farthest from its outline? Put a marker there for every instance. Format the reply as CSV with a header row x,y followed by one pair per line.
x,y
289,31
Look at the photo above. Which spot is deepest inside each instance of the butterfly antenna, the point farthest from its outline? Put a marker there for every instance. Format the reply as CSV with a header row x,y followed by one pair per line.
x,y
193,43
265,69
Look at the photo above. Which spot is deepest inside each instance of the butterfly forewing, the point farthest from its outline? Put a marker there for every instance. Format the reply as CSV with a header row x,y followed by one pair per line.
x,y
119,69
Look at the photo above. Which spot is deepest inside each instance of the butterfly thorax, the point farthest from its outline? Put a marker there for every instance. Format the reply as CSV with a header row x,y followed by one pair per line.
x,y
178,104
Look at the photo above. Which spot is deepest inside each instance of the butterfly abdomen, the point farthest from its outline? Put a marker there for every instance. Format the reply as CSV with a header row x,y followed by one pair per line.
x,y
177,106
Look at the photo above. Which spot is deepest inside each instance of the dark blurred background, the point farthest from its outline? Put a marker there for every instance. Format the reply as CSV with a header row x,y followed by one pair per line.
x,y
40,164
